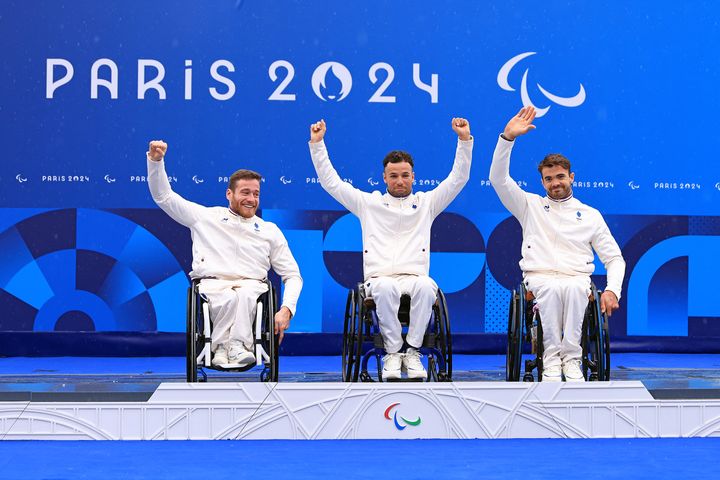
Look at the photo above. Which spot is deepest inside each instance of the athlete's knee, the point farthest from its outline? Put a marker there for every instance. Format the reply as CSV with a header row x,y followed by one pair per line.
x,y
381,286
426,286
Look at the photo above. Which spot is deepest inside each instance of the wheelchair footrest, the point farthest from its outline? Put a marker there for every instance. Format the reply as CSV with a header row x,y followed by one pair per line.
x,y
231,368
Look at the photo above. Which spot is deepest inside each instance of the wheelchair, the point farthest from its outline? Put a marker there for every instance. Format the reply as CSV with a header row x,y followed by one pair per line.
x,y
362,339
525,328
199,327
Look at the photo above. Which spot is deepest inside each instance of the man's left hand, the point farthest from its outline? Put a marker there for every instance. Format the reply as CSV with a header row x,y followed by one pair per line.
x,y
282,322
608,303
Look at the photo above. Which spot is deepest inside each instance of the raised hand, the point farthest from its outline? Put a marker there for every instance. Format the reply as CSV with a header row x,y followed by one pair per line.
x,y
462,128
608,303
317,131
520,124
157,150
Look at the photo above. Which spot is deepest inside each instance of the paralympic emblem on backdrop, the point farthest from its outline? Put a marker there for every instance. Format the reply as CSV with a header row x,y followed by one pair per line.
x,y
502,80
411,423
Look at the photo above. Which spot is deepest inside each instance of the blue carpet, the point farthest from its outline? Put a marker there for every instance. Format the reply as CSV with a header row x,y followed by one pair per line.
x,y
170,365
350,459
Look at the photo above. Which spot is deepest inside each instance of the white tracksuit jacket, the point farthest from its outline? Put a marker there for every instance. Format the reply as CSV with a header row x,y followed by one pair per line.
x,y
226,245
395,231
558,236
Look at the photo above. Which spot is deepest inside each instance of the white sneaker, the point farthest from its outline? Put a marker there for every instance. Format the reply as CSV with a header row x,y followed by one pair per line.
x,y
238,355
392,363
573,372
220,356
552,374
412,365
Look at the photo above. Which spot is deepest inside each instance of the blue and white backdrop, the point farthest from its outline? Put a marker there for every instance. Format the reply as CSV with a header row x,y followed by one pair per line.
x,y
627,91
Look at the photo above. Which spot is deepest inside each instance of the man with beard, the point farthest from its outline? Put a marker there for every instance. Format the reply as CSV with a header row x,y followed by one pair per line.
x,y
559,235
233,249
396,241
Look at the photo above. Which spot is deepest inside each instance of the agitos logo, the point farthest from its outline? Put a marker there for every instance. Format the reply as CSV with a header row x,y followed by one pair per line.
x,y
411,423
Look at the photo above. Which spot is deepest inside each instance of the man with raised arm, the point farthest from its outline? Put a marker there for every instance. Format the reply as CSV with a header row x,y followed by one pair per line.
x,y
396,240
559,236
233,249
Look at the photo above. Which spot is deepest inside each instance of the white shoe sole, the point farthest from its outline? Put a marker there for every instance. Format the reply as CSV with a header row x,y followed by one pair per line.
x,y
415,374
391,375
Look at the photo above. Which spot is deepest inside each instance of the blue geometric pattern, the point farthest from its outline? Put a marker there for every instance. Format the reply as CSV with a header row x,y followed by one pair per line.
x,y
95,263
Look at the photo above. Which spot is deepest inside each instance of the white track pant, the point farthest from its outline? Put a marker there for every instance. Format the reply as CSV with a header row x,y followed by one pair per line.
x,y
562,301
232,309
386,292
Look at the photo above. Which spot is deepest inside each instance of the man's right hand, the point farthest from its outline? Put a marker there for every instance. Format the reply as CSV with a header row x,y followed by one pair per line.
x,y
520,124
317,131
157,150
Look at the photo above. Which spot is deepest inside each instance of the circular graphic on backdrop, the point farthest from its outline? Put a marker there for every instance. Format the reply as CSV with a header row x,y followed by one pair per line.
x,y
87,270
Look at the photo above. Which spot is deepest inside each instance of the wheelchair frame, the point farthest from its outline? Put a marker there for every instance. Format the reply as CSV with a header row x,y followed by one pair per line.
x,y
525,326
198,341
362,339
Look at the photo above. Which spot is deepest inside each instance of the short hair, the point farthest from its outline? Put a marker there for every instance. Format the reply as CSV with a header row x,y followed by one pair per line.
x,y
554,159
242,175
398,156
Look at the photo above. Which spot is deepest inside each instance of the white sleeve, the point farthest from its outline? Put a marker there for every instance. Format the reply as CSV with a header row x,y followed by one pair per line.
x,y
349,196
284,264
449,188
611,256
511,195
179,209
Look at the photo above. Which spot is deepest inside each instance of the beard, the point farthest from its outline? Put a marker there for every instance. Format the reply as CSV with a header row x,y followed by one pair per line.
x,y
560,193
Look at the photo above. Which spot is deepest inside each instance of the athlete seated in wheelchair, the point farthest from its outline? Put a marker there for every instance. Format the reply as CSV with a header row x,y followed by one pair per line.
x,y
257,301
377,315
525,328
233,250
559,236
396,231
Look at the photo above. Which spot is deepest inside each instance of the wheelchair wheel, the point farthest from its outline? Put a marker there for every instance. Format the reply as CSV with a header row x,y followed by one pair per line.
x,y
349,372
513,357
270,341
603,330
362,330
444,338
191,336
596,344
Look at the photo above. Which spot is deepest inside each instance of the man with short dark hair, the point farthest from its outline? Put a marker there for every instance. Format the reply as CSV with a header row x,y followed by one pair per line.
x,y
233,249
559,235
396,240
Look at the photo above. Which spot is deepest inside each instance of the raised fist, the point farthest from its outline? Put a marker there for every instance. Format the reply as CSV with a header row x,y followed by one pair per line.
x,y
317,131
462,128
157,150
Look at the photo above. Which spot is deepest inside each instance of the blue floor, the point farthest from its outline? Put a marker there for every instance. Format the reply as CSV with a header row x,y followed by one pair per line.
x,y
143,374
350,459
294,364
